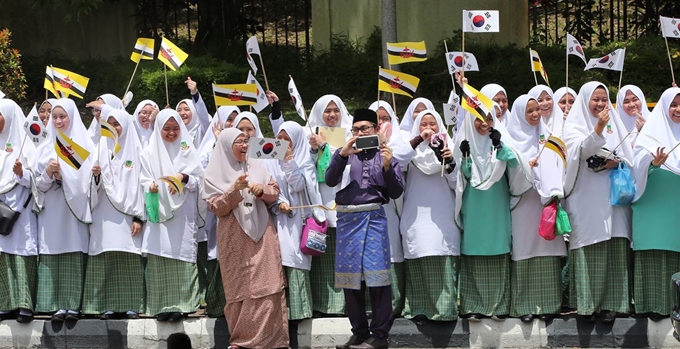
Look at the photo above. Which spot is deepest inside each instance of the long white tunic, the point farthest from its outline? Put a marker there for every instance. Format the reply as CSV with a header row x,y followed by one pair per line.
x,y
291,180
175,238
23,239
111,230
427,224
59,231
592,218
526,242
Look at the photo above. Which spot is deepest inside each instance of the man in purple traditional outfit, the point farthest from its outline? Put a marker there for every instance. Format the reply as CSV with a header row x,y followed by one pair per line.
x,y
368,179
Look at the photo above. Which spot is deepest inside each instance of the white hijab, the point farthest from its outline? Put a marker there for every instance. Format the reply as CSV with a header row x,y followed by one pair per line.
x,y
253,119
560,92
407,120
112,101
626,119
395,139
555,121
529,140
315,118
580,124
194,127
12,138
143,133
161,158
659,131
425,159
491,90
120,172
221,174
76,183
208,142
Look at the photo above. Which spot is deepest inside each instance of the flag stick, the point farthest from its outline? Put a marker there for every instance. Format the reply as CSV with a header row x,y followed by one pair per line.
x,y
535,80
378,94
22,146
46,95
167,95
543,148
133,72
673,148
566,79
462,69
394,100
266,83
620,78
453,81
670,61
617,146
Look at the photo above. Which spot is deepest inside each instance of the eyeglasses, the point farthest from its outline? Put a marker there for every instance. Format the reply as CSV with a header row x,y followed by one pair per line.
x,y
362,129
240,142
145,113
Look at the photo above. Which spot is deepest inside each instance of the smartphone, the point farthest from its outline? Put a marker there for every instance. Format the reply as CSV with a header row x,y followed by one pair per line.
x,y
367,142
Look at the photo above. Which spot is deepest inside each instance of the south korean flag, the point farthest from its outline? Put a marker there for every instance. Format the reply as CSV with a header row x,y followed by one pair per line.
x,y
34,127
267,148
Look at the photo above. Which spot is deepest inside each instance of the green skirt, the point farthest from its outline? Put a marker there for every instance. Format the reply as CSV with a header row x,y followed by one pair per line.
x,y
171,286
485,285
114,281
599,278
326,298
202,266
431,288
398,288
60,281
653,271
298,294
18,278
214,294
536,285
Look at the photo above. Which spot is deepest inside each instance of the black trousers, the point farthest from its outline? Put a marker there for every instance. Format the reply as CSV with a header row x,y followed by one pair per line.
x,y
381,307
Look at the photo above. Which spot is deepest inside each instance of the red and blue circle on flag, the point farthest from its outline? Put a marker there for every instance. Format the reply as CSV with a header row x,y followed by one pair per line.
x,y
604,59
478,21
458,61
267,148
36,129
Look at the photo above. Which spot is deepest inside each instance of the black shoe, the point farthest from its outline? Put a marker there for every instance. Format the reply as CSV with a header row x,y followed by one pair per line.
x,y
500,317
607,316
7,316
175,317
546,317
656,316
370,343
354,340
108,316
527,318
58,317
24,316
163,317
132,316
72,317
474,317
589,318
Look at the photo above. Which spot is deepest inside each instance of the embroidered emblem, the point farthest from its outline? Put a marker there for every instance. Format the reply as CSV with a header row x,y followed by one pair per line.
x,y
609,129
541,139
184,145
128,163
9,148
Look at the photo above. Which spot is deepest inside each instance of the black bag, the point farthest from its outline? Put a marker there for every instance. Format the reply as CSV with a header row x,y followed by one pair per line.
x,y
8,216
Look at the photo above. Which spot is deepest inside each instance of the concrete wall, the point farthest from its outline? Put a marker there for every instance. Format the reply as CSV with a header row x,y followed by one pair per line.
x,y
429,20
108,32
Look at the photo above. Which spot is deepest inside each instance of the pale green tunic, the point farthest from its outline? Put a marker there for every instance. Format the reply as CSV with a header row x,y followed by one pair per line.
x,y
655,213
487,227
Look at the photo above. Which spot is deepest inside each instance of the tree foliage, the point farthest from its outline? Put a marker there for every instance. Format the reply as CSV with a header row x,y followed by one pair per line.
x,y
11,72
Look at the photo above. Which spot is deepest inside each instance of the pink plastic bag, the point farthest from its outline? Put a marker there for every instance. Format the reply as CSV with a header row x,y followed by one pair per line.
x,y
546,228
313,241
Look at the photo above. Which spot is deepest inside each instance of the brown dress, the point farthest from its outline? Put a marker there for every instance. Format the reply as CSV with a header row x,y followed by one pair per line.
x,y
252,275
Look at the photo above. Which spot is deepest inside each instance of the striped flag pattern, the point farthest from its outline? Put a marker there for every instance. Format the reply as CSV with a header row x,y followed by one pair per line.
x,y
235,94
405,52
397,82
537,65
110,132
173,182
557,145
49,81
171,55
143,50
68,82
69,151
475,102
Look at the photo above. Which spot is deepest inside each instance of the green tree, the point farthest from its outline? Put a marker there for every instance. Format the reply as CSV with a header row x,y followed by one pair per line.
x,y
11,73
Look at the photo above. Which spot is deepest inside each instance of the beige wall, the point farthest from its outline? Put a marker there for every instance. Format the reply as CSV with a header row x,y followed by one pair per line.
x,y
429,20
106,33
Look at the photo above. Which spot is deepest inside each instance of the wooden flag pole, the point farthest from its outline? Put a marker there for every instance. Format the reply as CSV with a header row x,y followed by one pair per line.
x,y
167,95
535,79
133,72
22,146
266,83
618,145
670,61
462,69
453,80
566,79
620,78
394,100
673,148
46,95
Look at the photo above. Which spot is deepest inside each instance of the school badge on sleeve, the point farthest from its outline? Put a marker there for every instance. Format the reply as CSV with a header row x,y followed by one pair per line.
x,y
9,148
541,139
609,129
184,145
128,164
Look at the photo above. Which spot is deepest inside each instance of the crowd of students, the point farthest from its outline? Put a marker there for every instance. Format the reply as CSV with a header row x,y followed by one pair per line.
x,y
463,238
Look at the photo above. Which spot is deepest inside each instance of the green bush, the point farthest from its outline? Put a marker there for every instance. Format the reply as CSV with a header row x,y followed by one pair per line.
x,y
11,72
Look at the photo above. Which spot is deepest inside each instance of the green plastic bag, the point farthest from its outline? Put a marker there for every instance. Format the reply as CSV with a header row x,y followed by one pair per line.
x,y
151,203
562,223
322,164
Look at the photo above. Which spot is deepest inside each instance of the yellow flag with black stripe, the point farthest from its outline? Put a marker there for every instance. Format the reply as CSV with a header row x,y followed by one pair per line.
x,y
69,151
557,145
110,132
143,50
405,52
49,81
235,94
69,82
397,82
477,103
171,55
537,65
173,182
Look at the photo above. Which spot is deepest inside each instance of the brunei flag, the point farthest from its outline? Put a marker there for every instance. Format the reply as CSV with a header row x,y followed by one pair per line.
x,y
171,55
397,82
406,52
173,182
537,65
69,82
557,145
238,94
69,151
110,132
143,49
49,81
476,102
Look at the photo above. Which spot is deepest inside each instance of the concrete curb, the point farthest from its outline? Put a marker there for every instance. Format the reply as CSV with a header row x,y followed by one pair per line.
x,y
326,333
